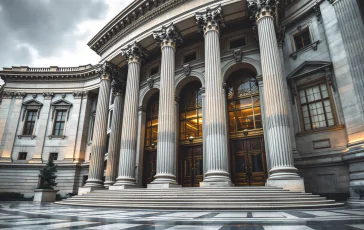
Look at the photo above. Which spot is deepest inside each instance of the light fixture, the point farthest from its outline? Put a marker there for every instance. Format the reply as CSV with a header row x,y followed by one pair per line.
x,y
154,144
245,132
191,139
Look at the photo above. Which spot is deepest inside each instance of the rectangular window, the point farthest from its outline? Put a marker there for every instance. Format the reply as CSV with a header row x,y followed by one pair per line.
x,y
92,126
154,70
59,122
107,143
236,43
22,156
53,156
30,122
302,39
190,57
316,107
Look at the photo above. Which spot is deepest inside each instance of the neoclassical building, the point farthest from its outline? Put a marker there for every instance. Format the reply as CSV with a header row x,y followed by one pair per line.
x,y
198,93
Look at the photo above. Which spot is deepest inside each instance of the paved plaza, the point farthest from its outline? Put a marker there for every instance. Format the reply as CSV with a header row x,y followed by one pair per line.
x,y
26,215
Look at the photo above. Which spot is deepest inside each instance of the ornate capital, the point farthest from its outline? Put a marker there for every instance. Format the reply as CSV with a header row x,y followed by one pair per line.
x,y
109,71
210,19
134,53
8,95
19,95
262,8
168,36
118,87
48,95
80,94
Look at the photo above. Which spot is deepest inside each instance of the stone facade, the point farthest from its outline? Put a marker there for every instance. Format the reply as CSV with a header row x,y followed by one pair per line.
x,y
164,46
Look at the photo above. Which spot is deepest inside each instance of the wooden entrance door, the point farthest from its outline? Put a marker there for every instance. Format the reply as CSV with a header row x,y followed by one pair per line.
x,y
149,169
248,167
191,166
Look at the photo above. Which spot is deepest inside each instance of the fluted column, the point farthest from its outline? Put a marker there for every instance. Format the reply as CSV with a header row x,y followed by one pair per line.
x,y
352,30
115,134
126,175
282,173
168,37
216,154
96,170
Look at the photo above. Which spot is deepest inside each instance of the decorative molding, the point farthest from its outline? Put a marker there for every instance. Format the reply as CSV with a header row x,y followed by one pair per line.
x,y
48,74
150,82
127,21
54,136
61,104
48,95
79,94
7,94
118,87
31,104
313,45
168,36
187,69
210,19
238,54
19,95
31,136
141,109
262,8
134,53
317,11
281,35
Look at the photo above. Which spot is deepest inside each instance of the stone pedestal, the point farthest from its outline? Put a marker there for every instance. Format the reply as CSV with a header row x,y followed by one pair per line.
x,y
121,187
216,155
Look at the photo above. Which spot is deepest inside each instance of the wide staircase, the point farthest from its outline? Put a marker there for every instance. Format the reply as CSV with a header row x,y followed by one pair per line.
x,y
202,198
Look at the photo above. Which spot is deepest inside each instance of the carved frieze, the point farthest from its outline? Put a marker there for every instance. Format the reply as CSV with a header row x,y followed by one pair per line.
x,y
210,19
48,95
80,94
19,95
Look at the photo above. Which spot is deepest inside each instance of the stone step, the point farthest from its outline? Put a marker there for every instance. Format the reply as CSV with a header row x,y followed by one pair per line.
x,y
201,198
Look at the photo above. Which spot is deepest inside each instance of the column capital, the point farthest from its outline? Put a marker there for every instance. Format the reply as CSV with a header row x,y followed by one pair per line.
x,y
168,36
262,8
109,71
134,53
80,94
333,2
118,87
210,19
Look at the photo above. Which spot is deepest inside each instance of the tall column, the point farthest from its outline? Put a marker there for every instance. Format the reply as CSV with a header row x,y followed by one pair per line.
x,y
168,37
282,173
126,175
115,134
96,170
217,173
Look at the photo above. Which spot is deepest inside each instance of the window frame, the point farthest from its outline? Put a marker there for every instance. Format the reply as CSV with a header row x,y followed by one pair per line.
x,y
58,105
56,122
30,105
299,33
149,119
308,85
187,54
236,39
53,153
92,125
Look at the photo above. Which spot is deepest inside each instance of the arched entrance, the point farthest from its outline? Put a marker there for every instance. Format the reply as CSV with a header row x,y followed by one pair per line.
x,y
190,157
247,158
151,134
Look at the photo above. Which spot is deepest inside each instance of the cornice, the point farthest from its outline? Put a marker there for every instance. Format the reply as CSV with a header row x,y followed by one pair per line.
x,y
137,14
25,73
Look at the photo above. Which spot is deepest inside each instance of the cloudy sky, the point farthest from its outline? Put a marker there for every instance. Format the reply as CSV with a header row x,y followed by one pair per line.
x,y
41,33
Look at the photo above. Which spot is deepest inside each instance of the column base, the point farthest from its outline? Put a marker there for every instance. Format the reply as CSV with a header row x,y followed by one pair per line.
x,y
108,183
355,202
94,183
121,187
292,184
215,184
85,190
163,186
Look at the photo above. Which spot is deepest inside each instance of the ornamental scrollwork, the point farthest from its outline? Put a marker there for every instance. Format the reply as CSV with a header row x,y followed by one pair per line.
x,y
187,69
210,19
134,53
168,36
262,8
118,87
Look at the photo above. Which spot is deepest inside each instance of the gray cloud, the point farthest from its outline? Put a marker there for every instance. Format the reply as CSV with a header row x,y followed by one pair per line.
x,y
48,26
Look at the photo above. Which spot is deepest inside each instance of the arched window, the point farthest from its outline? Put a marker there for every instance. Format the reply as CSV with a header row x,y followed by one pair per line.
x,y
190,111
152,121
243,101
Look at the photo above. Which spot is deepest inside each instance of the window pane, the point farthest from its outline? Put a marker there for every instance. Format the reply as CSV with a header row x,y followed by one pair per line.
x,y
246,102
240,164
245,119
302,96
232,122
257,162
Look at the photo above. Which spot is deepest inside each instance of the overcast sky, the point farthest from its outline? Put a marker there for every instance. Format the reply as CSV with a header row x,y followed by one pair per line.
x,y
41,33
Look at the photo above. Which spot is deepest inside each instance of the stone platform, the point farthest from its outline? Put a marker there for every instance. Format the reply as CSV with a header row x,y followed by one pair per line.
x,y
245,198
